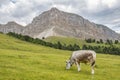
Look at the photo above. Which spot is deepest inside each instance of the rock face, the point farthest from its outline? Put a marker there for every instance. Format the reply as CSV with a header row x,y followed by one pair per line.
x,y
11,27
58,23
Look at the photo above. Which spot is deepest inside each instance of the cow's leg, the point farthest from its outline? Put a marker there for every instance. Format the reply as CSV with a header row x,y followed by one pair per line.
x,y
78,66
92,70
92,66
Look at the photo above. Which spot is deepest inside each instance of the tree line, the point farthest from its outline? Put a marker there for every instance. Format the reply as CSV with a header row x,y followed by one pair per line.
x,y
101,41
57,45
99,49
103,49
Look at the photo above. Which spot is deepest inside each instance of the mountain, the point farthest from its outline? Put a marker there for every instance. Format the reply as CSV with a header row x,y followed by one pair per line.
x,y
59,23
108,33
11,27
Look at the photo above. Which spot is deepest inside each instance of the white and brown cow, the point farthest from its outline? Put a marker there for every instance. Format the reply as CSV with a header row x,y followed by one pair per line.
x,y
82,56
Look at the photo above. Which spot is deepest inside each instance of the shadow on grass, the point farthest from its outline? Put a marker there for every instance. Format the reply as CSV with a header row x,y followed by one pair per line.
x,y
83,74
73,70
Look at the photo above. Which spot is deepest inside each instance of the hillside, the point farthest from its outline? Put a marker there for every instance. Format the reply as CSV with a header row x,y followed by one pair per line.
x,y
69,40
20,60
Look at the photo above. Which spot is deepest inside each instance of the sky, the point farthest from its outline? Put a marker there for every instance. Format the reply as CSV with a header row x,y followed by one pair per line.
x,y
106,12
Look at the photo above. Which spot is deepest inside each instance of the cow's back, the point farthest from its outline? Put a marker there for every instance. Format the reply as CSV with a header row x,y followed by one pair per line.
x,y
83,55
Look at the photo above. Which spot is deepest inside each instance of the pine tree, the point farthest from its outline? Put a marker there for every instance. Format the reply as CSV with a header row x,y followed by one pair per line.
x,y
101,41
84,47
116,42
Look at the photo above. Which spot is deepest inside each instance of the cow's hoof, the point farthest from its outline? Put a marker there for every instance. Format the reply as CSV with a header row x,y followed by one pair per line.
x,y
79,70
92,72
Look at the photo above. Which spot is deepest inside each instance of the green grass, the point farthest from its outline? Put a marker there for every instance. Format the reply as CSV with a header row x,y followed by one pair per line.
x,y
65,40
20,60
69,40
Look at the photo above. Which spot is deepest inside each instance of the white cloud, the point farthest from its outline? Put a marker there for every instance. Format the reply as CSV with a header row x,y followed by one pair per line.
x,y
7,9
22,11
95,6
109,3
105,12
65,8
116,20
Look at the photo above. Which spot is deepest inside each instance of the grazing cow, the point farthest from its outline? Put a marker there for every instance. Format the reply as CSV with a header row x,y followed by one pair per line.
x,y
82,56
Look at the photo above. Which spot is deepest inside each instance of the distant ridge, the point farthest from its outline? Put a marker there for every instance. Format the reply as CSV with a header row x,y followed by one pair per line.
x,y
59,23
11,27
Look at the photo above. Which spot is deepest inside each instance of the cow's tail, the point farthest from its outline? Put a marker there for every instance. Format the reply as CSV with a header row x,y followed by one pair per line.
x,y
94,59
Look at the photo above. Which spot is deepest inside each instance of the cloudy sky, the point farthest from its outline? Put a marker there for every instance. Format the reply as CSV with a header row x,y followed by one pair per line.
x,y
105,12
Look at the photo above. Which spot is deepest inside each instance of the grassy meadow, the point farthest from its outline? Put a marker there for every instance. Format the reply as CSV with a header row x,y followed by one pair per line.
x,y
21,60
69,40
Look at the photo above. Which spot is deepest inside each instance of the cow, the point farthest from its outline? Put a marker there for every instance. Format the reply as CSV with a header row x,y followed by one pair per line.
x,y
82,56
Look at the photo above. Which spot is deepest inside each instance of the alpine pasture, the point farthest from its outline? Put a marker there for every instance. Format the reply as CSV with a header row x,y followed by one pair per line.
x,y
21,60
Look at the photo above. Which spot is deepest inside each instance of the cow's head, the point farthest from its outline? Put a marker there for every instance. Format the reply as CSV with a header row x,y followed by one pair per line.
x,y
68,64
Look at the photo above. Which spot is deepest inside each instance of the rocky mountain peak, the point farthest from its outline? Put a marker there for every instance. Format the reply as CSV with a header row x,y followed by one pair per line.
x,y
11,27
11,23
54,9
55,22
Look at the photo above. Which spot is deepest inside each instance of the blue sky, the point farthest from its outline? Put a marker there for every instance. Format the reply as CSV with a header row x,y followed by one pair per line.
x,y
105,12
